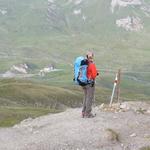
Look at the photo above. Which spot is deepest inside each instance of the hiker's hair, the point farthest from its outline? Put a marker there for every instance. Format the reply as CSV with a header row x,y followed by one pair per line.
x,y
89,54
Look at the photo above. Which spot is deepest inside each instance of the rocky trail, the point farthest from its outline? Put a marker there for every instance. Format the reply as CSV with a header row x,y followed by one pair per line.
x,y
123,128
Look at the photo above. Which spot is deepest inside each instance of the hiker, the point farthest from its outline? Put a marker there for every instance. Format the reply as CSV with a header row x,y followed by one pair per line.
x,y
89,89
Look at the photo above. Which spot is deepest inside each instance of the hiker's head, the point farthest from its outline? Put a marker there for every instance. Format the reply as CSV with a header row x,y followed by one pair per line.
x,y
90,55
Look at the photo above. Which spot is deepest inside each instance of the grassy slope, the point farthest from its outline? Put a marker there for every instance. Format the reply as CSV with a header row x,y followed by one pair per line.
x,y
26,93
21,99
55,92
9,116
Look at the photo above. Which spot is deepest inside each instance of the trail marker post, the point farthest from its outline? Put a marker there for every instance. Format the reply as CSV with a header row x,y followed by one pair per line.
x,y
116,85
113,91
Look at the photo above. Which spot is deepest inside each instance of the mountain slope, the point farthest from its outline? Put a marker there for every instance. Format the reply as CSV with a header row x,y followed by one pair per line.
x,y
68,28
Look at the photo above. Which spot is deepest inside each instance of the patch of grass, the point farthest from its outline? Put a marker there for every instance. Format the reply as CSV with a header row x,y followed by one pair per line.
x,y
141,111
10,116
113,135
145,148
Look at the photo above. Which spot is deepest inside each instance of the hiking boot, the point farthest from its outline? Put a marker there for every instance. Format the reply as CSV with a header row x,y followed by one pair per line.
x,y
90,115
83,114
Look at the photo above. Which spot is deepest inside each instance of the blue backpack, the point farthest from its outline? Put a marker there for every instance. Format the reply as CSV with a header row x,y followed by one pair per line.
x,y
80,71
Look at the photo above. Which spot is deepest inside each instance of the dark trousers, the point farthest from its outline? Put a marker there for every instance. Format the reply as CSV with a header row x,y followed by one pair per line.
x,y
88,98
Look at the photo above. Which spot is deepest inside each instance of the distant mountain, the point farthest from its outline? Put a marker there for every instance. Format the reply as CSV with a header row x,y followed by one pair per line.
x,y
55,31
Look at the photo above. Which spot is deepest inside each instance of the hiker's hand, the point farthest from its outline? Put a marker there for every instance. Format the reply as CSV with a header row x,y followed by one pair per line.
x,y
92,83
97,72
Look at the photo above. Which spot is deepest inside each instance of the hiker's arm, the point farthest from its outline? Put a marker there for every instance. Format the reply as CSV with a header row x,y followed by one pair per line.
x,y
94,71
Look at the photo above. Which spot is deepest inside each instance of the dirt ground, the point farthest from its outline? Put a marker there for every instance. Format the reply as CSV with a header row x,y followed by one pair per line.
x,y
123,128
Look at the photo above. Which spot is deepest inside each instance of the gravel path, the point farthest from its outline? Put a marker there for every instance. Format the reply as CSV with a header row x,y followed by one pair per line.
x,y
68,131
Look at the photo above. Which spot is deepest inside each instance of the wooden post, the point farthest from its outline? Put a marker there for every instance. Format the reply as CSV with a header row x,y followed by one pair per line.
x,y
118,85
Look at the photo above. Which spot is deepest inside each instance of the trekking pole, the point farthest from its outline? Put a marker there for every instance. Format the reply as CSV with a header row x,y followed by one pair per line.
x,y
94,105
113,91
94,102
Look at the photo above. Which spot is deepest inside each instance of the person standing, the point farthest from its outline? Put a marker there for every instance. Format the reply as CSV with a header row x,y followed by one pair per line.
x,y
89,89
